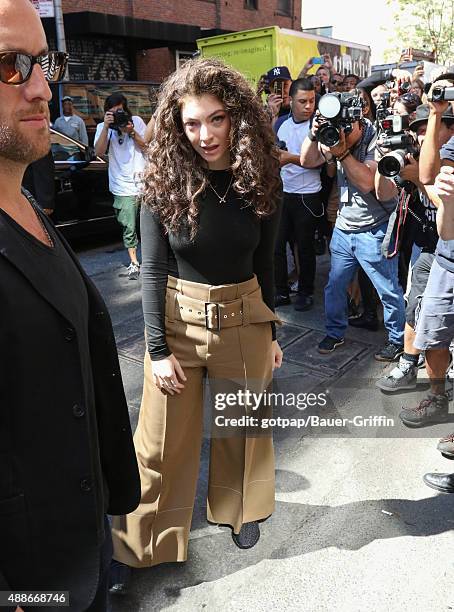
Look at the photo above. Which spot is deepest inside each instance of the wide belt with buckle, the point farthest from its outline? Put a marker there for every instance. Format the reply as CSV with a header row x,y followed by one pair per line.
x,y
220,315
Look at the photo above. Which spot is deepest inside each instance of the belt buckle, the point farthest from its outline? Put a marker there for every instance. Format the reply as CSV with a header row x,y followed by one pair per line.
x,y
218,315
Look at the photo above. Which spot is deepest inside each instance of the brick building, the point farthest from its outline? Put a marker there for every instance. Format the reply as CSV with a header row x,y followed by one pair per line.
x,y
145,39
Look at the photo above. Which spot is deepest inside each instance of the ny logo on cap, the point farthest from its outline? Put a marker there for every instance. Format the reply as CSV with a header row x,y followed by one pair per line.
x,y
276,71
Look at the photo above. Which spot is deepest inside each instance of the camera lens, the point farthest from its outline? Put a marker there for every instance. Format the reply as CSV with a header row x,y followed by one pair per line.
x,y
121,119
328,135
438,94
391,164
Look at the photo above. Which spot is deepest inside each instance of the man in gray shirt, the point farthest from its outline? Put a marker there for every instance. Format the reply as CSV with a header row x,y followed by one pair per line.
x,y
70,124
365,204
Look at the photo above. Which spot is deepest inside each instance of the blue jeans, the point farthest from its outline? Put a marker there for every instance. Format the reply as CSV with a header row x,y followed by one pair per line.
x,y
350,250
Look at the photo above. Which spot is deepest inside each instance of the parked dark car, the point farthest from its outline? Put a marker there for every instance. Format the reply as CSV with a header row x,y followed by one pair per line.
x,y
83,203
89,97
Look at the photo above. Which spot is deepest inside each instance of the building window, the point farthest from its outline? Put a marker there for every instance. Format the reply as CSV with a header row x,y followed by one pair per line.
x,y
284,7
182,57
252,5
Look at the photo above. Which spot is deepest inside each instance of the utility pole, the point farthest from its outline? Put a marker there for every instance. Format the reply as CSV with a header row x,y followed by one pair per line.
x,y
60,29
218,9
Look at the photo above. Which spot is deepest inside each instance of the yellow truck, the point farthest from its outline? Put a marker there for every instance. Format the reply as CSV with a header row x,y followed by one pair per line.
x,y
254,52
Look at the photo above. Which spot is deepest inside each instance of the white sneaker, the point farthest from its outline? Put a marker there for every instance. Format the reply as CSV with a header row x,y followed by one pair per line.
x,y
403,376
133,271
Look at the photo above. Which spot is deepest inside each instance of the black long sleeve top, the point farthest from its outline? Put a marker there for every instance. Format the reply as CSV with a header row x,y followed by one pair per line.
x,y
231,245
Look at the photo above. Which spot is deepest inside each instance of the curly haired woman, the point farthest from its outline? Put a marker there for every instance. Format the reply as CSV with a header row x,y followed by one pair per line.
x,y
212,200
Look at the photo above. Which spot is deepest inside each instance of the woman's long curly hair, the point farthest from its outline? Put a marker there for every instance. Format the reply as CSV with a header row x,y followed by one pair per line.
x,y
176,175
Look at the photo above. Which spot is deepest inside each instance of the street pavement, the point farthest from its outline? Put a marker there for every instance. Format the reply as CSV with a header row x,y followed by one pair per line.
x,y
355,529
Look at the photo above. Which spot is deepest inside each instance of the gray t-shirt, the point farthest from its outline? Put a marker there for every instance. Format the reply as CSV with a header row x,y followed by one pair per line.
x,y
359,212
74,127
445,248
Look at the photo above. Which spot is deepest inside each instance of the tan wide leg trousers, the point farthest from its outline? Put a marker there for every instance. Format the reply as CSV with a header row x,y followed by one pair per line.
x,y
169,432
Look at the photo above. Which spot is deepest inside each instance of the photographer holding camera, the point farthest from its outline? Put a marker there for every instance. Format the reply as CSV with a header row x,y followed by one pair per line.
x,y
424,237
121,136
342,137
278,101
435,323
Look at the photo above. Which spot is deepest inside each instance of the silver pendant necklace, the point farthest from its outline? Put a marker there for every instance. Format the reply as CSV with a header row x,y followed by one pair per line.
x,y
222,199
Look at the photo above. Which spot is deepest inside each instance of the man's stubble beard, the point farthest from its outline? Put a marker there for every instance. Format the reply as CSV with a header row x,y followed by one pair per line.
x,y
16,147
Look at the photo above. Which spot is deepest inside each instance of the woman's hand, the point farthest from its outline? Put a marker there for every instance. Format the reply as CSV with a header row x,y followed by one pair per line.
x,y
277,355
168,375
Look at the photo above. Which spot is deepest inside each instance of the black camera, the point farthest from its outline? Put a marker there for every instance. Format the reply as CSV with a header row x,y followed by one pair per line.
x,y
339,112
383,107
121,119
440,94
394,134
393,126
403,87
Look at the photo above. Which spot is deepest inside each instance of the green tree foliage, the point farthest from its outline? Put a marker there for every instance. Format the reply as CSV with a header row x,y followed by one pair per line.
x,y
424,24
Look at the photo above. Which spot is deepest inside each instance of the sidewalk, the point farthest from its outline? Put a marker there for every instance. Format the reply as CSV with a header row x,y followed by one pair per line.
x,y
354,529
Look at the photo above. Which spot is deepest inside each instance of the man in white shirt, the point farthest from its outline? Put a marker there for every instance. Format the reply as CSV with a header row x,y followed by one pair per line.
x,y
70,124
122,136
303,206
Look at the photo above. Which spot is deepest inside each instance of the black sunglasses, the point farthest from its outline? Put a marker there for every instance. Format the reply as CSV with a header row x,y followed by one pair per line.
x,y
16,67
336,81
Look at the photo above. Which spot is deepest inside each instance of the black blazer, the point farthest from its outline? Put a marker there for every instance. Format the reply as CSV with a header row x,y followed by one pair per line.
x,y
62,464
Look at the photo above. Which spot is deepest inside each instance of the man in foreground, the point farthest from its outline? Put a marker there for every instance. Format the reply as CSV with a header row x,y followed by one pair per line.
x,y
66,452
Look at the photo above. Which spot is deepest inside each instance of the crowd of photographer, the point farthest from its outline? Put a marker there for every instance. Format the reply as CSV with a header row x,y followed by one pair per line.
x,y
368,164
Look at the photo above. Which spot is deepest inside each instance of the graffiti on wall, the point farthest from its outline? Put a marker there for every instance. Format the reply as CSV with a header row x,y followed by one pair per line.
x,y
92,59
